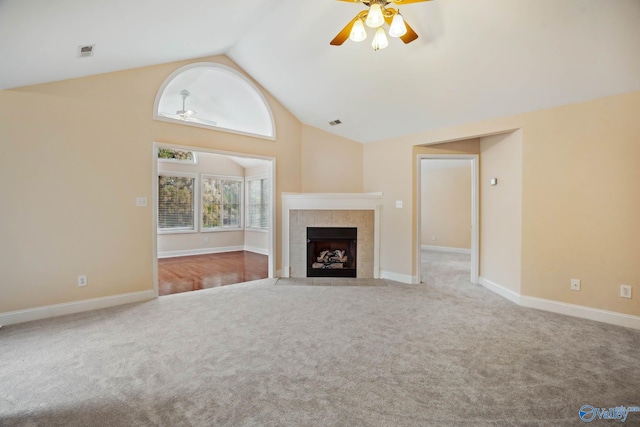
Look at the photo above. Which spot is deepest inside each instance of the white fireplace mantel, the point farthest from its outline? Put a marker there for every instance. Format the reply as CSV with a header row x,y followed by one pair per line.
x,y
330,201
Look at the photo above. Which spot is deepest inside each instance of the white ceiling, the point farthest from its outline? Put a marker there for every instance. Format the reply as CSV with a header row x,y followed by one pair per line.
x,y
474,60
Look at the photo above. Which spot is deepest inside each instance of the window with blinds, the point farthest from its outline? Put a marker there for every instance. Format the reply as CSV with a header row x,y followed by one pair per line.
x,y
176,203
221,203
258,203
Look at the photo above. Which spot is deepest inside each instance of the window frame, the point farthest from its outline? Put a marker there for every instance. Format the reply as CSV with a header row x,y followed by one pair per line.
x,y
194,155
258,178
196,197
222,228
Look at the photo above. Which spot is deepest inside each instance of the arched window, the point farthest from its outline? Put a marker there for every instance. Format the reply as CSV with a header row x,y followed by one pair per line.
x,y
214,96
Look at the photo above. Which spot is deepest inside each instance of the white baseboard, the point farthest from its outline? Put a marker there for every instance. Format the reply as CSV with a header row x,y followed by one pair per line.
x,y
261,251
512,296
201,251
445,249
19,316
604,316
403,278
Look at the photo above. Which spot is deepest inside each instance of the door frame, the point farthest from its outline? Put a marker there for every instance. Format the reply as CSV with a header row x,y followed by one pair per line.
x,y
271,241
475,209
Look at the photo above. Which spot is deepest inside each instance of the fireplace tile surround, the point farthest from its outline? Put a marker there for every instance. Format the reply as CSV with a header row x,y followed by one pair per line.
x,y
360,210
299,220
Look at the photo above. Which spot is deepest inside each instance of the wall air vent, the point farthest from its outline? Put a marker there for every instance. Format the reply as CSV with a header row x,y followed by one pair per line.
x,y
335,122
86,50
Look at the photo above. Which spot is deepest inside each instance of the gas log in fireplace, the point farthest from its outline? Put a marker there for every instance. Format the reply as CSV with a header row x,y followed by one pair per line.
x,y
331,251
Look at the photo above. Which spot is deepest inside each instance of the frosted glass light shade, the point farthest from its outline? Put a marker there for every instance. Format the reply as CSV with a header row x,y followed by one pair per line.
x,y
380,39
358,32
398,28
374,17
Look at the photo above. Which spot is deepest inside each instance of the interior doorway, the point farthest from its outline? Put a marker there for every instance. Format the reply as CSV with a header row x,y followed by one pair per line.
x,y
448,216
213,218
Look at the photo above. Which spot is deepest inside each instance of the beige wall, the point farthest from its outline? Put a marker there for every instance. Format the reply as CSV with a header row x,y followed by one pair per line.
x,y
501,209
580,198
75,154
446,203
330,163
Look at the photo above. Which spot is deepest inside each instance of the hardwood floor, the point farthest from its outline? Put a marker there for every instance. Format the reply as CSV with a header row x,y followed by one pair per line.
x,y
190,273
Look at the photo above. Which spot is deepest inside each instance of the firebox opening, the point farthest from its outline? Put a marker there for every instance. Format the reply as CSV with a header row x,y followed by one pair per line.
x,y
331,251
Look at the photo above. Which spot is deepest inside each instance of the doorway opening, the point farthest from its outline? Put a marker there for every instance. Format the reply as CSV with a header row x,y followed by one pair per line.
x,y
213,216
448,217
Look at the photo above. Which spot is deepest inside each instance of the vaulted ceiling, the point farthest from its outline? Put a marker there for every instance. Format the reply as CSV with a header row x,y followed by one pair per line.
x,y
474,60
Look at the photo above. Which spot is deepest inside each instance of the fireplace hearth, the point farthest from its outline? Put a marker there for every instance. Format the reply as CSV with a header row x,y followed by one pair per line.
x,y
332,251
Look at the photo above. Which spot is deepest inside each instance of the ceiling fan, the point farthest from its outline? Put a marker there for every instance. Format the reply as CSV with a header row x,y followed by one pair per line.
x,y
185,114
188,115
375,17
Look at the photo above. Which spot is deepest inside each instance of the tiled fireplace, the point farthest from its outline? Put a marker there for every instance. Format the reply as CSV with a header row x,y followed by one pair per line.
x,y
306,216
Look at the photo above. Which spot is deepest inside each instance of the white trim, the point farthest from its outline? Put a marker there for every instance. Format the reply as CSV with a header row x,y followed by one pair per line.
x,y
48,311
573,310
445,249
604,316
396,277
475,208
201,251
512,296
256,250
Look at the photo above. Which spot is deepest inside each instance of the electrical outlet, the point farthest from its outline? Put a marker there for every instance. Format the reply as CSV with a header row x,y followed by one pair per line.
x,y
206,240
82,281
433,238
625,291
399,204
575,284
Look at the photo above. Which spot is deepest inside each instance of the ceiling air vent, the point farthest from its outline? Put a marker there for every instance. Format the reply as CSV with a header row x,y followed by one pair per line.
x,y
86,51
335,122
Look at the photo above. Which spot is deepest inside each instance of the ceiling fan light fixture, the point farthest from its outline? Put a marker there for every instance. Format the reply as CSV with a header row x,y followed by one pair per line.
x,y
358,32
375,18
380,40
398,28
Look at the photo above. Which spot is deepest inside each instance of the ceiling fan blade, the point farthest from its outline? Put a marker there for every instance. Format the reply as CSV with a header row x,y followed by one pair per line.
x,y
343,35
205,121
410,35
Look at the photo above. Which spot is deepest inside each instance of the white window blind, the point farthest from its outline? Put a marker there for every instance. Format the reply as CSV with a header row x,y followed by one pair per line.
x,y
176,203
221,202
258,203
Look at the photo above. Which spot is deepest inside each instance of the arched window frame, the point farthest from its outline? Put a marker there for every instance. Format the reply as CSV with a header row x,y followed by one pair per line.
x,y
250,85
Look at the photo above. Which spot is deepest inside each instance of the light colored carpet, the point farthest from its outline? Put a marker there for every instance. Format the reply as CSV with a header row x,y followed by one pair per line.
x,y
263,354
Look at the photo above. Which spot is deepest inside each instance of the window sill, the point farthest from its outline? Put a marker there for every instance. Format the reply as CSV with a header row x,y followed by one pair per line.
x,y
257,230
218,230
177,231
